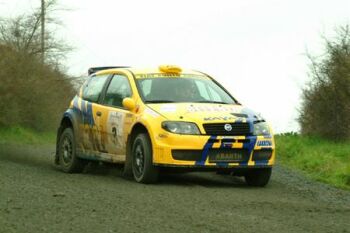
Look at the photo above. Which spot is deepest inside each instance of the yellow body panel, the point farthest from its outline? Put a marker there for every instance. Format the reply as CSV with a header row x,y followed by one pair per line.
x,y
107,129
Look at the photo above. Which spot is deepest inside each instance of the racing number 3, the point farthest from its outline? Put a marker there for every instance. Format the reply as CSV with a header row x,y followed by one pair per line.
x,y
114,131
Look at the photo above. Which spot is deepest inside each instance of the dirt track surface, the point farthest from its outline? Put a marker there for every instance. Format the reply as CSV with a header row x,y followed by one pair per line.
x,y
36,197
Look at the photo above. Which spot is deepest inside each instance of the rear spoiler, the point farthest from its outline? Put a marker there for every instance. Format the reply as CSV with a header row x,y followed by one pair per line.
x,y
96,69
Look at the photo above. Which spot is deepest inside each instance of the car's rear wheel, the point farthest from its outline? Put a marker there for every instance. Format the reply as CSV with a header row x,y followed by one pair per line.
x,y
68,159
258,177
142,163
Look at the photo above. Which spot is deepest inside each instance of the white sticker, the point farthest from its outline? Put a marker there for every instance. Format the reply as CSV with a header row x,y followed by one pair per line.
x,y
115,127
211,108
151,112
168,108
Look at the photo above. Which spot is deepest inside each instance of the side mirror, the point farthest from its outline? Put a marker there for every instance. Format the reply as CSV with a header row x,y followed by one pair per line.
x,y
129,103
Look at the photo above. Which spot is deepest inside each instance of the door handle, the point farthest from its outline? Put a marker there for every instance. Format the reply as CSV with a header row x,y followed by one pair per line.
x,y
98,113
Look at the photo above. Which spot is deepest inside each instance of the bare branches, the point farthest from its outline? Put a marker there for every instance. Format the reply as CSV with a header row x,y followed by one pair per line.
x,y
23,34
32,93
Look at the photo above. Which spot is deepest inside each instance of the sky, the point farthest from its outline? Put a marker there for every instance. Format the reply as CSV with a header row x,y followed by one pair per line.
x,y
255,48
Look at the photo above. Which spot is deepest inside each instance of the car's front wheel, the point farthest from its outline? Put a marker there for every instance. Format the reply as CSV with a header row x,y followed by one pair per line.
x,y
258,177
142,164
67,157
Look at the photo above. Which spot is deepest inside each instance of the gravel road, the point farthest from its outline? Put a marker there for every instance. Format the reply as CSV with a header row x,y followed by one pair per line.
x,y
36,197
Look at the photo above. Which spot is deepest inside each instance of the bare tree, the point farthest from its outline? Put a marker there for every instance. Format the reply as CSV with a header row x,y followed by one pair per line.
x,y
32,93
23,34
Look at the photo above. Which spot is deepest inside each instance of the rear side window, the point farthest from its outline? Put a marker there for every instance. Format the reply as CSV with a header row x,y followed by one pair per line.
x,y
93,88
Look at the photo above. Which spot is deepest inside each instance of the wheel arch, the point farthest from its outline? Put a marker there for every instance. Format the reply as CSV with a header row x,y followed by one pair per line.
x,y
68,121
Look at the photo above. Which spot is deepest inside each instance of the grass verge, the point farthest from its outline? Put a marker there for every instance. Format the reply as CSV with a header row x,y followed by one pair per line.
x,y
321,159
20,135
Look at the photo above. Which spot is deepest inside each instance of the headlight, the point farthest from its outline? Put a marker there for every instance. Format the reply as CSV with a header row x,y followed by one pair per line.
x,y
180,127
261,128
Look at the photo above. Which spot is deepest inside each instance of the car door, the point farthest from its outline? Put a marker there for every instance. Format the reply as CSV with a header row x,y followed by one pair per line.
x,y
114,121
91,94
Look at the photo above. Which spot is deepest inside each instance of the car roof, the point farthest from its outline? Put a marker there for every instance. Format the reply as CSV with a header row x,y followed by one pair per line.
x,y
139,72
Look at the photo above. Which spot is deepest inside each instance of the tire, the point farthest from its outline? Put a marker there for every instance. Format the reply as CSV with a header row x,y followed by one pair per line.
x,y
67,157
258,177
142,160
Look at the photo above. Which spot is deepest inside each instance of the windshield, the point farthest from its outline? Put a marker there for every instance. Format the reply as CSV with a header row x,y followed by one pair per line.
x,y
177,89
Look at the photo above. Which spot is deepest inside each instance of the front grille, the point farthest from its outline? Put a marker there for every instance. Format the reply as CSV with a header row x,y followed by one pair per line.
x,y
238,129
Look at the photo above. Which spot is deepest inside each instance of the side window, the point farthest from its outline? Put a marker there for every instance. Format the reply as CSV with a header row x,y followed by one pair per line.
x,y
118,89
93,88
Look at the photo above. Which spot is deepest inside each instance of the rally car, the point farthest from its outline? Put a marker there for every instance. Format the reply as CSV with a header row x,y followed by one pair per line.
x,y
160,119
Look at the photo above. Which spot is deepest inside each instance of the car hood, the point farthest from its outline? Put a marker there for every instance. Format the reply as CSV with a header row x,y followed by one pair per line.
x,y
204,112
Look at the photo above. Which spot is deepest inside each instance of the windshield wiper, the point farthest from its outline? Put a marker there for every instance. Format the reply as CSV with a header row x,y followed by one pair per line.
x,y
211,101
159,101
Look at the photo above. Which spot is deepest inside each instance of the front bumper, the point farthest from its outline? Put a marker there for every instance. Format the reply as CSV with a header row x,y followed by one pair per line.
x,y
192,151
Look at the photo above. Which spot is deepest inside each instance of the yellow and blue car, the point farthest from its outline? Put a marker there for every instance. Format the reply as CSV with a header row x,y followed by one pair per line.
x,y
166,118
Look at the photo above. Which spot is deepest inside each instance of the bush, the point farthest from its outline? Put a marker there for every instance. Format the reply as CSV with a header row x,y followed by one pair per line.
x,y
325,109
33,90
32,94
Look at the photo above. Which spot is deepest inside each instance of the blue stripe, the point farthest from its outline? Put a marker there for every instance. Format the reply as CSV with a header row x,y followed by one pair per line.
x,y
239,120
76,109
251,126
75,104
224,145
261,162
206,148
86,108
89,114
249,146
245,163
83,111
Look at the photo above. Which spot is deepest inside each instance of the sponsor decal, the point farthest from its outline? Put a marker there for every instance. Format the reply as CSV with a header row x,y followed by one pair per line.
x,y
115,126
167,75
151,112
240,115
225,118
264,143
168,108
213,108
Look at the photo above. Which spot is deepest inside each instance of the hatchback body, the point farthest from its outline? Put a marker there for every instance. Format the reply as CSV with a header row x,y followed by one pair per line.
x,y
163,119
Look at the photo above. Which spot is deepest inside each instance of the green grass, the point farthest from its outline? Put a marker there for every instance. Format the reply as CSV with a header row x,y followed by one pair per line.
x,y
321,159
20,135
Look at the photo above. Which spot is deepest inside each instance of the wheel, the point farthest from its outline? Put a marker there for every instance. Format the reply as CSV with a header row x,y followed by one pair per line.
x,y
142,164
68,160
258,177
